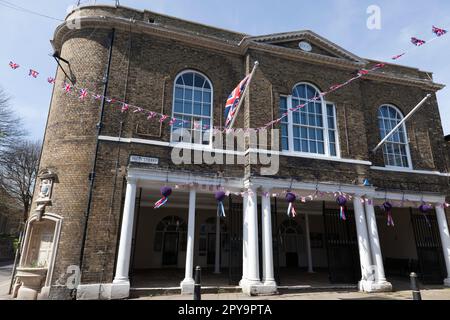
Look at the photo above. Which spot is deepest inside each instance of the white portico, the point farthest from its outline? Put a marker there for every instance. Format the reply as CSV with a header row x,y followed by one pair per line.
x,y
257,200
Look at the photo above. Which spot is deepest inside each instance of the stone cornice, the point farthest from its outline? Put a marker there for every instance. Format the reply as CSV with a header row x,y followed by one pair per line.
x,y
310,35
240,49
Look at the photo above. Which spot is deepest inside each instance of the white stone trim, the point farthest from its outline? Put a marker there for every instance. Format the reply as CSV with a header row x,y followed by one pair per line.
x,y
237,153
57,219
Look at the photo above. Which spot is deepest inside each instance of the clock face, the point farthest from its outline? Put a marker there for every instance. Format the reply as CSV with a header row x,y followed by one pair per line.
x,y
305,46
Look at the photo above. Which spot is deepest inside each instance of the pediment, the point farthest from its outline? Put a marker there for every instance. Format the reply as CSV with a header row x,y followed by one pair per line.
x,y
312,44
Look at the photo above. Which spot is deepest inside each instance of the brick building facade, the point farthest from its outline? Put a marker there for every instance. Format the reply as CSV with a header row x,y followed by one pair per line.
x,y
93,208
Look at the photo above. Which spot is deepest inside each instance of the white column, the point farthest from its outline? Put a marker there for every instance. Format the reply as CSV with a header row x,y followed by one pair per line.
x,y
308,244
187,285
217,260
377,258
445,239
252,244
121,283
363,243
250,283
267,251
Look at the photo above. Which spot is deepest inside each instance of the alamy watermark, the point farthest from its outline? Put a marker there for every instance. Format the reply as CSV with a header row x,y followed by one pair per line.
x,y
374,19
237,147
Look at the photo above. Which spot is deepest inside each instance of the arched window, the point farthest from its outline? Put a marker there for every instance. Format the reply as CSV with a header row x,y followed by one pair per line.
x,y
172,225
192,108
311,129
396,149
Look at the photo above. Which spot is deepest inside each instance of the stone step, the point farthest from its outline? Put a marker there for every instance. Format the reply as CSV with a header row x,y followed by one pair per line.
x,y
148,292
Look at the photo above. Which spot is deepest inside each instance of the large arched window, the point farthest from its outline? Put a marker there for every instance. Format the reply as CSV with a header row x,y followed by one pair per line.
x,y
311,129
396,149
192,108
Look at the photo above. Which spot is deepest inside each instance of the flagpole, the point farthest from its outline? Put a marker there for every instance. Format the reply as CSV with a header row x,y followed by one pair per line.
x,y
244,93
401,122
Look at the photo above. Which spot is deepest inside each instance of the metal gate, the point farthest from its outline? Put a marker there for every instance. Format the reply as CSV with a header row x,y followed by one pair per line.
x,y
429,247
342,247
235,224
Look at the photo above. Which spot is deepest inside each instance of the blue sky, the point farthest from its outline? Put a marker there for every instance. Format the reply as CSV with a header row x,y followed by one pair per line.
x,y
25,37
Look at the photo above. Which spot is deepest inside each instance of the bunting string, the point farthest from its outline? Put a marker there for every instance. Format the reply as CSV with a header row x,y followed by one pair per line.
x,y
83,93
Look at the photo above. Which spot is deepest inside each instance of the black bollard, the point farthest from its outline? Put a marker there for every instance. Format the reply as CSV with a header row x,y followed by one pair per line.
x,y
197,283
414,287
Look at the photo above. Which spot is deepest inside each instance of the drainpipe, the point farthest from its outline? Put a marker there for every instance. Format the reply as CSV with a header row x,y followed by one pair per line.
x,y
99,129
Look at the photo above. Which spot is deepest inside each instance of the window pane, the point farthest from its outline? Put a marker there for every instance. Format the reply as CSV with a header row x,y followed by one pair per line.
x,y
311,92
206,109
319,135
188,94
180,81
331,123
300,91
332,136
178,107
295,117
305,146
188,79
319,121
179,93
319,108
333,149
312,120
197,108
284,130
187,107
296,131
199,81
330,112
312,146
297,145
197,95
285,144
304,133
206,96
303,118
321,148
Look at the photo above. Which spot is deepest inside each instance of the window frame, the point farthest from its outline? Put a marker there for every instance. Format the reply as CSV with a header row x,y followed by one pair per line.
x,y
406,144
325,127
211,117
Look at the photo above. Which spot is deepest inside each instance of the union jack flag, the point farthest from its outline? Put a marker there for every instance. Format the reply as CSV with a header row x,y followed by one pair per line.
x,y
83,93
398,56
33,73
233,101
13,65
125,107
417,42
51,80
439,32
67,87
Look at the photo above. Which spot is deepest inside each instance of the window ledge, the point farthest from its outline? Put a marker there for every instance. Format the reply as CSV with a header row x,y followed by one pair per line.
x,y
314,156
408,170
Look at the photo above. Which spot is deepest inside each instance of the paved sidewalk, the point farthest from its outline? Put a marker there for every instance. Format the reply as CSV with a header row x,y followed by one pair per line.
x,y
5,278
434,294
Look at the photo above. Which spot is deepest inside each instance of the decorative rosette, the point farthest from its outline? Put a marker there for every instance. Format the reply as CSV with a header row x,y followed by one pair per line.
x,y
290,197
165,192
341,201
220,196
